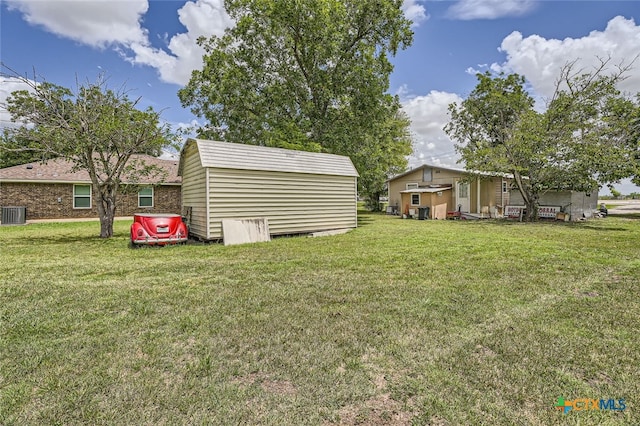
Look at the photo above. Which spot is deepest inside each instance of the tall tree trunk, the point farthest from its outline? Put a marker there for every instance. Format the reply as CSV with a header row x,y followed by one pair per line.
x,y
532,208
373,201
107,211
530,199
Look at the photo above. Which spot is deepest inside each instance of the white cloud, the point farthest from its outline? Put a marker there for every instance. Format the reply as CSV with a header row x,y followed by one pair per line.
x,y
204,18
429,114
414,11
540,59
95,23
9,85
489,9
118,24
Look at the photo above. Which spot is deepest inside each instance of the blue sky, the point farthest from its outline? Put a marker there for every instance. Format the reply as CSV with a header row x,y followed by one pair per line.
x,y
150,47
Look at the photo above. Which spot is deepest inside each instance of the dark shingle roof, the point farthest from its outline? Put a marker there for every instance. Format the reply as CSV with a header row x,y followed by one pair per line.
x,y
58,170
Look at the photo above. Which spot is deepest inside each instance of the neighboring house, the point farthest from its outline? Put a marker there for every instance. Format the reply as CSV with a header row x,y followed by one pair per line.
x,y
444,189
296,191
52,191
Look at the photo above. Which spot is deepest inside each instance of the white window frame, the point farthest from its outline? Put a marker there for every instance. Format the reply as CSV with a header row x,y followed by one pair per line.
x,y
411,186
412,203
505,186
152,196
76,197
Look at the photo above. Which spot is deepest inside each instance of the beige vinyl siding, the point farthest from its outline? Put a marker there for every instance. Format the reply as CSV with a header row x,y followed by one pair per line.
x,y
501,198
398,185
297,191
444,176
194,191
292,202
439,176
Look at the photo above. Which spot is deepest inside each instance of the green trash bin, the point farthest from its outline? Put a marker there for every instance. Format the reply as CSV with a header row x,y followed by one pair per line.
x,y
423,213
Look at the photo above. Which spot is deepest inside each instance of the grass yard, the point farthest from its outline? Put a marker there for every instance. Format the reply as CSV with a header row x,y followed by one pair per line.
x,y
397,322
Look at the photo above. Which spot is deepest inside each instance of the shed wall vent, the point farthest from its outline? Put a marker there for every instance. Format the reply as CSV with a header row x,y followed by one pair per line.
x,y
14,215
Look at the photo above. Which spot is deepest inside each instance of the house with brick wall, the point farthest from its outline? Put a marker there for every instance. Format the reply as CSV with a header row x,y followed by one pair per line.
x,y
52,190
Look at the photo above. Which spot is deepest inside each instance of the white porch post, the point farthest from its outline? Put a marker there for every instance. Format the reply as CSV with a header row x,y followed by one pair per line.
x,y
478,196
455,195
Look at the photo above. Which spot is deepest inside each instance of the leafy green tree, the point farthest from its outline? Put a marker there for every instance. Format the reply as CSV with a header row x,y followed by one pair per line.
x,y
381,155
486,126
308,75
596,127
625,118
582,140
95,128
615,193
14,152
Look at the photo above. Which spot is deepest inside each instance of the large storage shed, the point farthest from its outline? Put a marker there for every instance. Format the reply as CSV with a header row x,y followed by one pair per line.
x,y
297,191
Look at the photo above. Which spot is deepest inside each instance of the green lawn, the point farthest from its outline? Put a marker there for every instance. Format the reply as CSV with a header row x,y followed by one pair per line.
x,y
397,322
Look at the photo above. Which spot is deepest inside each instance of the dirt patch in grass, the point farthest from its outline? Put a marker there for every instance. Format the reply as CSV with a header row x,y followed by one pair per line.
x,y
587,294
484,352
379,410
277,387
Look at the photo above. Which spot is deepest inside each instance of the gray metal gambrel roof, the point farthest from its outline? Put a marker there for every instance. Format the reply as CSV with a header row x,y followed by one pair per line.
x,y
225,155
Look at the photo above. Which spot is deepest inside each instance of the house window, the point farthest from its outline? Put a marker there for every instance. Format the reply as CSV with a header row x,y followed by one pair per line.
x,y
463,190
145,197
505,187
426,174
81,196
415,199
412,186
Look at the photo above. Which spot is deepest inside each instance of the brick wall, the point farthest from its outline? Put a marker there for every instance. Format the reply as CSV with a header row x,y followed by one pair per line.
x,y
55,201
166,199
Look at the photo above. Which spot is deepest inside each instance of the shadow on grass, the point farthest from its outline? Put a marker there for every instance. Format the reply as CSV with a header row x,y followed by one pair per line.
x,y
60,232
602,228
635,216
365,217
572,225
66,239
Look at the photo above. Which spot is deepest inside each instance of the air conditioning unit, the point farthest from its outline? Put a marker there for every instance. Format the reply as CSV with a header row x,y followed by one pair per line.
x,y
13,216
